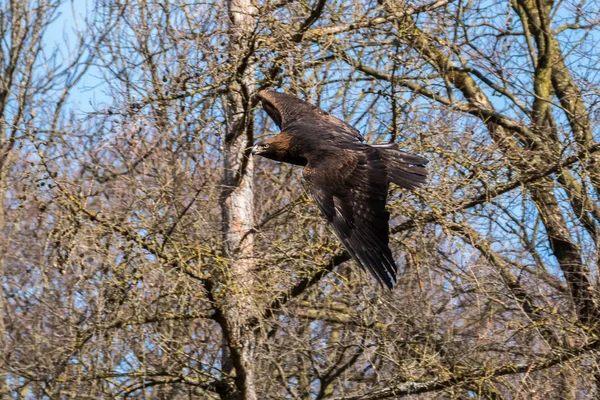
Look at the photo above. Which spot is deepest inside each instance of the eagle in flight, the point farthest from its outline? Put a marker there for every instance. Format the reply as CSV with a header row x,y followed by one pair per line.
x,y
348,179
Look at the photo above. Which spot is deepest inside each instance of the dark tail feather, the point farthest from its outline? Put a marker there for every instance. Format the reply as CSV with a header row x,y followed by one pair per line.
x,y
404,169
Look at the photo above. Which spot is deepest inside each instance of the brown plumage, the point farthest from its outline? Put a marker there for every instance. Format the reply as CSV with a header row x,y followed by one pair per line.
x,y
347,179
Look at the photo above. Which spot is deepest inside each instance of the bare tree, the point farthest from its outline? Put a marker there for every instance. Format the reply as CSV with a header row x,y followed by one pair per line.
x,y
36,79
237,202
145,255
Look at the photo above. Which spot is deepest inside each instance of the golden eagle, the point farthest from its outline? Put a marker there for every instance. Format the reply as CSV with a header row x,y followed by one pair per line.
x,y
347,178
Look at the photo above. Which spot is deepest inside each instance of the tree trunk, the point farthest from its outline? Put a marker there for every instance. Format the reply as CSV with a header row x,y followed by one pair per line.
x,y
4,165
237,205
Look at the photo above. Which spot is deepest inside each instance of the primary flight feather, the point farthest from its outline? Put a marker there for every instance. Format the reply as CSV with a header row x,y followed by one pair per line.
x,y
348,179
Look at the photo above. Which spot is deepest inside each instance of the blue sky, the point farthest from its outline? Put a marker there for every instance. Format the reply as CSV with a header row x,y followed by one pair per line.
x,y
88,95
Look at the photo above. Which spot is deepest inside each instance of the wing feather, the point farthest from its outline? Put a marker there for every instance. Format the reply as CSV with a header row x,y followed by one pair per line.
x,y
351,190
293,114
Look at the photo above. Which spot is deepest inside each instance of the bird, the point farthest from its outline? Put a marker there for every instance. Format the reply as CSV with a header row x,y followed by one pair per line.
x,y
347,178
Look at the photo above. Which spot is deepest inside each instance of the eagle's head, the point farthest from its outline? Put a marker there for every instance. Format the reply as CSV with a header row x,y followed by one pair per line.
x,y
261,149
278,148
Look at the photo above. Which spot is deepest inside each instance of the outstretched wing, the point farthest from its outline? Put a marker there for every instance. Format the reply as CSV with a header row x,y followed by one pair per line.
x,y
293,114
350,188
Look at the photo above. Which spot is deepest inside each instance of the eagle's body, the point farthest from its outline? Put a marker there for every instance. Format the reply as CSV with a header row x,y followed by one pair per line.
x,y
348,179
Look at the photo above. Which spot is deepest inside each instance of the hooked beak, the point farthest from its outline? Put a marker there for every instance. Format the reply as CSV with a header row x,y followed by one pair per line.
x,y
255,150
